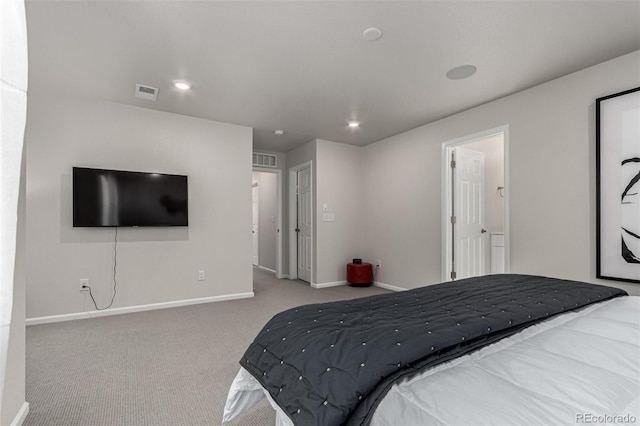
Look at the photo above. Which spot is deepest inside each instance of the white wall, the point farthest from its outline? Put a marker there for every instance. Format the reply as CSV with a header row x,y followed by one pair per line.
x,y
336,177
552,180
339,174
401,184
154,264
302,154
267,226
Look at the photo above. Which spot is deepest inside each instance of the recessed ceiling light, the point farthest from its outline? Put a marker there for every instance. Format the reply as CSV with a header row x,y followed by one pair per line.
x,y
461,72
182,85
372,34
278,132
354,124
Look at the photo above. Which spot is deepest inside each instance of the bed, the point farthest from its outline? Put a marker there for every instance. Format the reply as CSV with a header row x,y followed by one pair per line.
x,y
497,349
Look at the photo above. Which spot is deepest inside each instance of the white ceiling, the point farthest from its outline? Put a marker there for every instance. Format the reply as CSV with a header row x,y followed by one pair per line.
x,y
304,66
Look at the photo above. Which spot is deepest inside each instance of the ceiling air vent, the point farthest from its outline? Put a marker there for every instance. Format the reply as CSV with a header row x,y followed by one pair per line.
x,y
264,160
146,92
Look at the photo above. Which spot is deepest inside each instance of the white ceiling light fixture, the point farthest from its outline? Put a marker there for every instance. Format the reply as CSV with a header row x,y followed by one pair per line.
x,y
372,34
354,124
181,84
278,132
461,72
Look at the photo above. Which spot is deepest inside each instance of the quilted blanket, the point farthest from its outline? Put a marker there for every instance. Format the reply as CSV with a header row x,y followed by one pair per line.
x,y
331,363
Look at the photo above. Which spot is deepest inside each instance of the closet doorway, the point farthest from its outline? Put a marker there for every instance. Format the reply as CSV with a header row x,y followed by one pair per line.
x,y
267,219
475,200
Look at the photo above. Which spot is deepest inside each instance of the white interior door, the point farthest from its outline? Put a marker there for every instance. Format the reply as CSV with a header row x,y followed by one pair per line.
x,y
255,229
304,224
469,213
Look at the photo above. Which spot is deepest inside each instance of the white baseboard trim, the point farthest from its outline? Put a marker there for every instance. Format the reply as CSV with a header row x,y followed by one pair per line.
x,y
282,276
21,416
388,286
266,269
325,285
139,308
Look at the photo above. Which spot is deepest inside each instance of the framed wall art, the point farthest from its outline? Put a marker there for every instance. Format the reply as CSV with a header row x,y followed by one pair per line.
x,y
618,186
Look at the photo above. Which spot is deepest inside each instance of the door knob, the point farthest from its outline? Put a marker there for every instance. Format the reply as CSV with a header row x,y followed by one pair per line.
x,y
482,231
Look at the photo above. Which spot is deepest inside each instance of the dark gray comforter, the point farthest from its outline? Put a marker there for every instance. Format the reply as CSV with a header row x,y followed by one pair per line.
x,y
331,363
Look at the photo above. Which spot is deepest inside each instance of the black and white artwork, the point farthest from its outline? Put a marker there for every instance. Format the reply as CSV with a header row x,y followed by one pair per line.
x,y
618,186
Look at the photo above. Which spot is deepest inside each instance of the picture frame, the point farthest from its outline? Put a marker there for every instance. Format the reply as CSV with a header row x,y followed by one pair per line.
x,y
618,186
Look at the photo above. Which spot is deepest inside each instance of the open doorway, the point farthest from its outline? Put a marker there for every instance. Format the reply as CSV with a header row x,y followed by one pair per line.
x,y
475,228
255,221
267,220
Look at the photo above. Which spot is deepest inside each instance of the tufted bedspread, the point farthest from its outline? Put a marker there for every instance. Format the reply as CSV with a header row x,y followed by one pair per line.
x,y
331,363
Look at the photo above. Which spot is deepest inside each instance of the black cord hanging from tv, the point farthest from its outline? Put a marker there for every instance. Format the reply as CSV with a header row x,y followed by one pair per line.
x,y
115,283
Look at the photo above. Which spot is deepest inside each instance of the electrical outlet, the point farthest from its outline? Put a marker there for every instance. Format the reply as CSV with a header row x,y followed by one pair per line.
x,y
200,275
378,264
84,284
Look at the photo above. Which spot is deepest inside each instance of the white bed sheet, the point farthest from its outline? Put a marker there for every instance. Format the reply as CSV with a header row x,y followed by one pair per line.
x,y
579,368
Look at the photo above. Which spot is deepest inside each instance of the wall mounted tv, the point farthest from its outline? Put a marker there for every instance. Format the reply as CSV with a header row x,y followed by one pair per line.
x,y
124,198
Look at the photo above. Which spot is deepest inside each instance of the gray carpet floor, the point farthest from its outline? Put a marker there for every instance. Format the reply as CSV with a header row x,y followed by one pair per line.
x,y
163,367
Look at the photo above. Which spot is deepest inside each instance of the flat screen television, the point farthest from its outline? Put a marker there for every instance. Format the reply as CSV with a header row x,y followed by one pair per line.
x,y
125,198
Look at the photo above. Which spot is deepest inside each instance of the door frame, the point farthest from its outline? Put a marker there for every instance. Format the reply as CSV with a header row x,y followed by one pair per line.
x,y
293,214
278,173
255,196
447,198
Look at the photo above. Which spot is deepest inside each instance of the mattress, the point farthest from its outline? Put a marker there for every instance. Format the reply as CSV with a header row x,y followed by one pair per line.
x,y
581,367
578,367
332,363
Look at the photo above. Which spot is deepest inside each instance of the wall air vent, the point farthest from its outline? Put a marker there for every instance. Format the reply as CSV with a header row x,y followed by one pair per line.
x,y
264,160
146,92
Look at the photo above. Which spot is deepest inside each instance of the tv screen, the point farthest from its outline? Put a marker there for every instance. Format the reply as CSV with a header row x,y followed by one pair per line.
x,y
123,198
